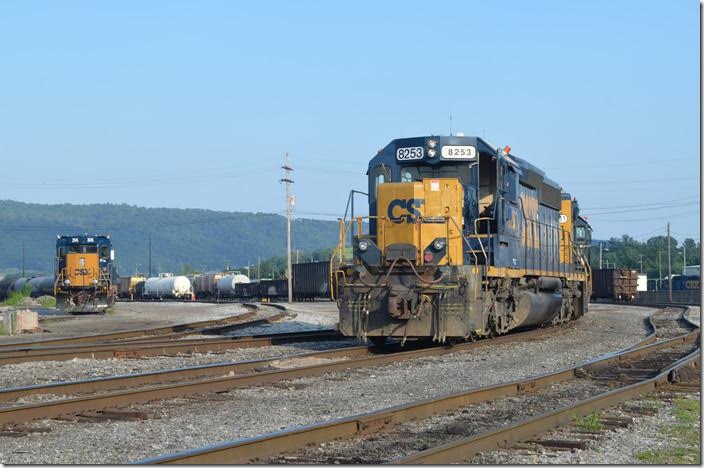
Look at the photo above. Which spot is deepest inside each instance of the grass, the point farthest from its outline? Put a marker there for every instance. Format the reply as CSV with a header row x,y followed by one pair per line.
x,y
684,435
671,456
591,422
3,331
109,310
47,301
18,298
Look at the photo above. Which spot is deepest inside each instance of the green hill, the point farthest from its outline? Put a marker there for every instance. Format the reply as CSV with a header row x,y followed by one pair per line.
x,y
203,239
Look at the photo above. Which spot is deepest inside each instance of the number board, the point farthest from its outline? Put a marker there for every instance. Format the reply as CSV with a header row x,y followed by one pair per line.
x,y
408,154
458,152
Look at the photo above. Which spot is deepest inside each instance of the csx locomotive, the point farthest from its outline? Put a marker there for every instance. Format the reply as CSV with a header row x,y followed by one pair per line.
x,y
462,241
83,278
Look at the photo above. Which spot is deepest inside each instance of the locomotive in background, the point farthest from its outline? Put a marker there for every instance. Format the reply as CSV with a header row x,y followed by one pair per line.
x,y
83,273
463,241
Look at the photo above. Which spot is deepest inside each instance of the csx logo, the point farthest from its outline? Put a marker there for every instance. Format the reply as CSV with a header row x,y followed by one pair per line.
x,y
692,284
80,272
405,210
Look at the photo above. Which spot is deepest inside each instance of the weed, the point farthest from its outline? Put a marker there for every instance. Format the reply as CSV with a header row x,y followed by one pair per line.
x,y
18,298
47,301
671,456
109,310
3,331
686,410
591,422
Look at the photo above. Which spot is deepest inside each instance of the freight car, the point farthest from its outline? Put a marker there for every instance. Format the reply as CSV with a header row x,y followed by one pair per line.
x,y
127,287
616,284
226,285
311,280
83,278
167,286
463,241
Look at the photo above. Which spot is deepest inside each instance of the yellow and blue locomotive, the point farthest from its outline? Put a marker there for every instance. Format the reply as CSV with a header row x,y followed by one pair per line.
x,y
83,279
462,241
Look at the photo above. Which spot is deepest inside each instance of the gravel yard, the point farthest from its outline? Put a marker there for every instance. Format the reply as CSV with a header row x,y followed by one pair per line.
x,y
180,425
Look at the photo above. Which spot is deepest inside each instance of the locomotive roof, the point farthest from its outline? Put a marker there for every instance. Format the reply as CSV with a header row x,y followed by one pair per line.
x,y
387,155
82,239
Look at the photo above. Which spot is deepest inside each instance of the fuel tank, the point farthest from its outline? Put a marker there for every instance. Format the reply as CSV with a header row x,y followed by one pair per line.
x,y
536,308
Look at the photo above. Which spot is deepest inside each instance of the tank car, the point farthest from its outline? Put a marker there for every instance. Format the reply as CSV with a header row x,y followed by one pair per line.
x,y
167,286
462,241
41,286
227,284
83,273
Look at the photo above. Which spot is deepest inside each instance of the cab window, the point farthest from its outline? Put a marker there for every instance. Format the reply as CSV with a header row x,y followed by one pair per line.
x,y
379,175
580,233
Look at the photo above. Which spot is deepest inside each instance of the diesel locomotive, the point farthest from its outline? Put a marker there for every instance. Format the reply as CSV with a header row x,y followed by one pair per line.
x,y
462,241
83,273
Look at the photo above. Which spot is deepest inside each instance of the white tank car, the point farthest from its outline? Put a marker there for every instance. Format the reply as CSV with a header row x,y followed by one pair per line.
x,y
226,284
167,286
42,286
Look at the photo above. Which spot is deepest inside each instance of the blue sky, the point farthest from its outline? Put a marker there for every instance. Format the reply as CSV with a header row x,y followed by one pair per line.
x,y
193,104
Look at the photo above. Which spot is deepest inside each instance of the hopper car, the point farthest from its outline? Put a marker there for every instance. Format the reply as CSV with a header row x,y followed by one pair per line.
x,y
462,241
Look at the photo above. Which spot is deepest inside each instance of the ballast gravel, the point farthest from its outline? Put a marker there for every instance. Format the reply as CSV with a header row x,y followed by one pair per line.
x,y
187,424
612,447
43,372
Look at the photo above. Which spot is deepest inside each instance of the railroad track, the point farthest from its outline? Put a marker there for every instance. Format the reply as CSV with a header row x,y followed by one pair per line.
x,y
169,332
165,346
122,391
610,379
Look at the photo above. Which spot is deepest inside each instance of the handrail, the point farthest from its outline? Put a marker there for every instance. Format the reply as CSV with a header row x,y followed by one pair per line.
x,y
476,234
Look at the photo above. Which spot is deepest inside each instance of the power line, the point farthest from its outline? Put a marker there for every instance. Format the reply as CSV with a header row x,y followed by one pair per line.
x,y
644,209
639,204
645,219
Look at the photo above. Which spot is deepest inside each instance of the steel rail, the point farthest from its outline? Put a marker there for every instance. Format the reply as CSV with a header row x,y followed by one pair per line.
x,y
169,330
356,357
505,437
259,447
161,347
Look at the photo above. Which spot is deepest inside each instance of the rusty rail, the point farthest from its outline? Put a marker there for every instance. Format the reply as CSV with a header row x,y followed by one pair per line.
x,y
259,447
346,358
145,333
162,347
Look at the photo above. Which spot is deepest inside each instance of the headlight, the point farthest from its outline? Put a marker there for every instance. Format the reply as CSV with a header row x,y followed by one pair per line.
x,y
67,282
431,153
95,281
439,244
363,245
432,143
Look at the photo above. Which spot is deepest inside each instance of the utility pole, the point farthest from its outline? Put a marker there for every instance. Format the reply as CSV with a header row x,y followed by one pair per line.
x,y
641,263
259,268
684,258
150,255
601,252
289,204
669,265
22,259
659,269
